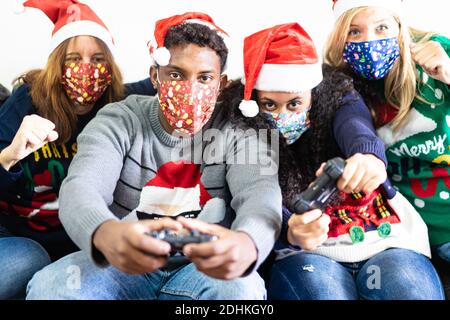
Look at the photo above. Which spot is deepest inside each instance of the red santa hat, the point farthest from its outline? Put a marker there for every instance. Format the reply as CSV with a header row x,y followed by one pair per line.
x,y
176,187
341,6
281,59
71,18
161,54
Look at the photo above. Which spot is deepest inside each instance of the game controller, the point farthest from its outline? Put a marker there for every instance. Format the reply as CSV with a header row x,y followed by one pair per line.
x,y
319,192
178,240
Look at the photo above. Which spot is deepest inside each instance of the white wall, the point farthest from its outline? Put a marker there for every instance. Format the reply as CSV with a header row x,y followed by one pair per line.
x,y
25,37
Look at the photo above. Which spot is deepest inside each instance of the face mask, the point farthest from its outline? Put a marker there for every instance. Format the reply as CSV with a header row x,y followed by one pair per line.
x,y
187,105
372,59
291,125
85,83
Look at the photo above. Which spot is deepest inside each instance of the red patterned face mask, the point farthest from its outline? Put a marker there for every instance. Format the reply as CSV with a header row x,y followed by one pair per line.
x,y
187,105
85,83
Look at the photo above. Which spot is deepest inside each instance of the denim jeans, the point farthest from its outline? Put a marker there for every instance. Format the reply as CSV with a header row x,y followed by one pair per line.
x,y
20,259
76,277
394,274
443,251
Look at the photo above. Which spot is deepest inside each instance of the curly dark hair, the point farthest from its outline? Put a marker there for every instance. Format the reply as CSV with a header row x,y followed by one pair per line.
x,y
299,162
194,33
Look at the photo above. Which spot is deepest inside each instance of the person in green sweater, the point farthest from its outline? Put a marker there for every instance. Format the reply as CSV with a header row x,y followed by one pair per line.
x,y
403,75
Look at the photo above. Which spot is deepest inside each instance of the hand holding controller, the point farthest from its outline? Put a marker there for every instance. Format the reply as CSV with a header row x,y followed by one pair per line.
x,y
178,240
320,191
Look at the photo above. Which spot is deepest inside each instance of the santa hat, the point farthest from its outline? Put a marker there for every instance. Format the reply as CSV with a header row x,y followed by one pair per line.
x,y
71,18
282,59
177,185
161,54
341,6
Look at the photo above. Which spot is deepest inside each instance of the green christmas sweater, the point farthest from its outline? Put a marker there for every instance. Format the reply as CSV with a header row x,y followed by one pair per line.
x,y
419,154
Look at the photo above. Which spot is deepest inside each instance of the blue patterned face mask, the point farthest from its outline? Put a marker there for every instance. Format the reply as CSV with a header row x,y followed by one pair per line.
x,y
291,125
372,59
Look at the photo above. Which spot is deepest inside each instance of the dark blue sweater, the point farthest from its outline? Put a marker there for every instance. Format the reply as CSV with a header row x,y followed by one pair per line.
x,y
30,189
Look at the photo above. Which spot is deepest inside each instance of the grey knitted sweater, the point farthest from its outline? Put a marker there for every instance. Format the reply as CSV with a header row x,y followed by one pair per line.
x,y
128,166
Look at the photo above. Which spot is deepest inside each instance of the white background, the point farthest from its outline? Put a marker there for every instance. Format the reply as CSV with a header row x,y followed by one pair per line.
x,y
25,37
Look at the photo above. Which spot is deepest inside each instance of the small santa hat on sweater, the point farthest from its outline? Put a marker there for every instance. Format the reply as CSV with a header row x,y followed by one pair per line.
x,y
279,59
341,6
71,18
161,54
176,185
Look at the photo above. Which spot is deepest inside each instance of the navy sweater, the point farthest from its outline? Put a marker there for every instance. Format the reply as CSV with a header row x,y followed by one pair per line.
x,y
29,191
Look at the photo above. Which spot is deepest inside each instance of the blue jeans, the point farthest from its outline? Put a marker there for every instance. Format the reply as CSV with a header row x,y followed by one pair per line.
x,y
443,251
20,259
394,274
75,277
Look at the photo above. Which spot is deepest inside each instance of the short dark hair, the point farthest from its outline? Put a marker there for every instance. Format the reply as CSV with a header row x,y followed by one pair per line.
x,y
203,36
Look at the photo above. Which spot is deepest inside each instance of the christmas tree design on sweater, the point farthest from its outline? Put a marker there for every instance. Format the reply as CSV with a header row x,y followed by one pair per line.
x,y
177,190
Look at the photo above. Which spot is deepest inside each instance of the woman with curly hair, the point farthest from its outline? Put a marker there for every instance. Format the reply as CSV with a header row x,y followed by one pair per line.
x,y
330,254
405,81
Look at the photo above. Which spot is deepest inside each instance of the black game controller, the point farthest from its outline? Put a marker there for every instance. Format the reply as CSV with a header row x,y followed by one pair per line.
x,y
320,191
178,240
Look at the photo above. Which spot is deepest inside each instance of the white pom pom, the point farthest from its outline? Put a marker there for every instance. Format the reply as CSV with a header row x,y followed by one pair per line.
x,y
162,56
18,7
249,108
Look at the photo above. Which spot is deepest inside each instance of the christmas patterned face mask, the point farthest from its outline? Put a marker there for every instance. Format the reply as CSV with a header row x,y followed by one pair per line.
x,y
372,59
187,105
85,83
291,125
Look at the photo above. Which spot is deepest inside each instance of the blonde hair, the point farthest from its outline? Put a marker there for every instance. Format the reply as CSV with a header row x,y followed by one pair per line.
x,y
49,97
400,88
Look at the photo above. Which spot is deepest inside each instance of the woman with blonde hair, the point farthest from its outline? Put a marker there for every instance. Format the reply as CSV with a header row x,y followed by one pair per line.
x,y
403,75
39,125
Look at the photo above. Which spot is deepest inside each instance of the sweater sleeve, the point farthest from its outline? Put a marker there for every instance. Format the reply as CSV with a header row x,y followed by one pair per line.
x,y
4,94
87,191
256,195
282,242
354,130
143,87
7,178
12,113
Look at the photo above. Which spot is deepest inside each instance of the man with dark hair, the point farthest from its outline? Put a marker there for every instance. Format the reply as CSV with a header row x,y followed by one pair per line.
x,y
185,34
4,94
149,164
